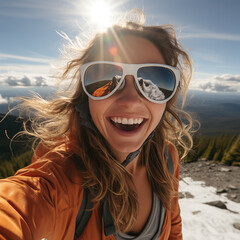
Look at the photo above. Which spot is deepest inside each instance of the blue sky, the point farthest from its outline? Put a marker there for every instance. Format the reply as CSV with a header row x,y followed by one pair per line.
x,y
208,29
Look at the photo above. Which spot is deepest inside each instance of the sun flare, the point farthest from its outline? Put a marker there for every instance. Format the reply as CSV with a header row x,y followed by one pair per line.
x,y
100,14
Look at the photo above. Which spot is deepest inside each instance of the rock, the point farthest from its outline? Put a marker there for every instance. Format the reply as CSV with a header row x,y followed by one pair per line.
x,y
233,196
188,195
237,225
221,190
202,159
196,212
218,204
185,195
232,187
180,195
200,165
225,169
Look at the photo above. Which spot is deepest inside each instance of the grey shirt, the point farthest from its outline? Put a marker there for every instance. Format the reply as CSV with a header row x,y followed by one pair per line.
x,y
153,227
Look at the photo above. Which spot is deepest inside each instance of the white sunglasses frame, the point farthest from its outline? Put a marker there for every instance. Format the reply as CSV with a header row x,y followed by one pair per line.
x,y
130,69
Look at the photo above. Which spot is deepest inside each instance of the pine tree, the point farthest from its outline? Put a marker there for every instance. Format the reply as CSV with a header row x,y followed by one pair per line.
x,y
202,146
233,156
209,153
221,145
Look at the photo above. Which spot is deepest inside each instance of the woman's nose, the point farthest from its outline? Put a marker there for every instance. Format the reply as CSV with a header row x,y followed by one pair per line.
x,y
129,95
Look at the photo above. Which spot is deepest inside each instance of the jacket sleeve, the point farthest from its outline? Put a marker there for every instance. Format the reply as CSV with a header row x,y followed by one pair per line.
x,y
40,201
23,211
176,221
26,206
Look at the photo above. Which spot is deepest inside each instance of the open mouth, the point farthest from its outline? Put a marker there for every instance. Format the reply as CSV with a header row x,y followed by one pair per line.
x,y
125,124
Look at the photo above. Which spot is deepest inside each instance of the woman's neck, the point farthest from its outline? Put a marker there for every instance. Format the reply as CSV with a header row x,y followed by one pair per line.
x,y
132,166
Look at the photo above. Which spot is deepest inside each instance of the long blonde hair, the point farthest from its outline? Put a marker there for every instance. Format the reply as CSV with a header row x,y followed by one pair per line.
x,y
100,171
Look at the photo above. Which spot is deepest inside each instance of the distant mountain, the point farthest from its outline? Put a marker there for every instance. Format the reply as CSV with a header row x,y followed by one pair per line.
x,y
217,112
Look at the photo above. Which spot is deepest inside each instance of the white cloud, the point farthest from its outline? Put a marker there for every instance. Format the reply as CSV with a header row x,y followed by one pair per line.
x,y
31,9
15,65
216,83
210,35
208,56
4,56
43,9
3,100
16,68
12,81
26,80
193,32
36,72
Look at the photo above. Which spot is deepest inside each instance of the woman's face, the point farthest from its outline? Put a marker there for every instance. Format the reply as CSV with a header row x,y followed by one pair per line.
x,y
127,105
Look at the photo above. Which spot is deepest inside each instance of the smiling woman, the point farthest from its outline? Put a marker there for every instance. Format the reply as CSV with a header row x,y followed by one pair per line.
x,y
107,142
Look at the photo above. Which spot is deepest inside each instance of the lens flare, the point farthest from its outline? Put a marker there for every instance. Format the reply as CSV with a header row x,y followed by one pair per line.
x,y
113,51
100,15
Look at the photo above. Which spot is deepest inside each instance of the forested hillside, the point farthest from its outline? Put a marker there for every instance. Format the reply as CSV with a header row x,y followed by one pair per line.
x,y
17,154
223,148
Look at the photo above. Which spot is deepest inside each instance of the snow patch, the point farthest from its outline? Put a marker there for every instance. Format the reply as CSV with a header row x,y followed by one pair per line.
x,y
201,221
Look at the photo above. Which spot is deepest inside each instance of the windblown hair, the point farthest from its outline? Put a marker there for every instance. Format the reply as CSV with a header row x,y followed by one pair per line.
x,y
100,171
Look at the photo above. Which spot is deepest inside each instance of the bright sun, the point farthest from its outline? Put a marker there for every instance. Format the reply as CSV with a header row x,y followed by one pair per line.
x,y
100,14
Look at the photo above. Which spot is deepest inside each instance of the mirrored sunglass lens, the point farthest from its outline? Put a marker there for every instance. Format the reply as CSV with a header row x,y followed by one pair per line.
x,y
157,83
101,79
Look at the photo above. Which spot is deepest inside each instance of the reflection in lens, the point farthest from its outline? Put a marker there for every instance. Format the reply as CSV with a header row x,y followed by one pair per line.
x,y
101,79
151,90
108,88
158,82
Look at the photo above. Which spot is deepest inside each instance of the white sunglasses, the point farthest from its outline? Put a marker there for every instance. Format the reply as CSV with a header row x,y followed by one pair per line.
x,y
156,82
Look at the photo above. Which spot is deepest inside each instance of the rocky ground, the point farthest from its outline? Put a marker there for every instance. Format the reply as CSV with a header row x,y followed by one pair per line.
x,y
226,179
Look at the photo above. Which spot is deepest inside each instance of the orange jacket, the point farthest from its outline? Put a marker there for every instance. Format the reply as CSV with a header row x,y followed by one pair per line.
x,y
42,201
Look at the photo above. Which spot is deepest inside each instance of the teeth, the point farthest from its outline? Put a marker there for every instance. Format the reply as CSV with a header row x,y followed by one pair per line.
x,y
129,121
135,121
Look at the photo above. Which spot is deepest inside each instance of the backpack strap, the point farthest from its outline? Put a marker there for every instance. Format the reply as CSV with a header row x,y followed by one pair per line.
x,y
109,227
170,164
84,213
85,210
